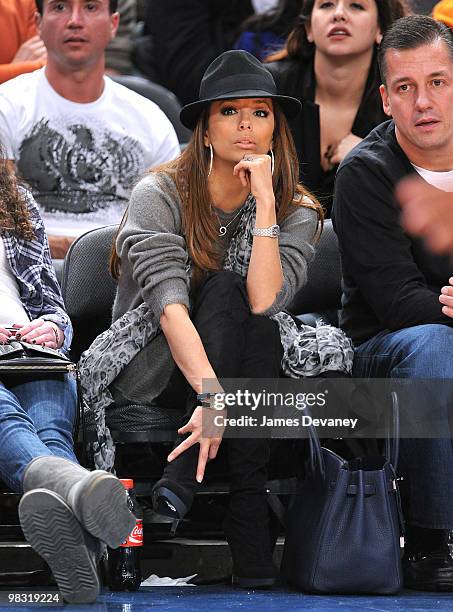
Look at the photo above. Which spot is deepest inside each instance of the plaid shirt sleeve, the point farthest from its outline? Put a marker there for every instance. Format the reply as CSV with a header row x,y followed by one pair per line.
x,y
31,263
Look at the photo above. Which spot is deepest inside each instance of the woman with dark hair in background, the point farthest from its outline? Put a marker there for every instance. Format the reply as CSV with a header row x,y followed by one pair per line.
x,y
212,246
267,32
66,510
330,65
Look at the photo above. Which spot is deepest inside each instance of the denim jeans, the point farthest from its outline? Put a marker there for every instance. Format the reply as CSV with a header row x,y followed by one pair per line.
x,y
420,352
36,418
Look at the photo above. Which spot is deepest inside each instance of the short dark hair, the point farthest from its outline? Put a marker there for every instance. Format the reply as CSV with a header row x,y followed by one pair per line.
x,y
113,6
412,32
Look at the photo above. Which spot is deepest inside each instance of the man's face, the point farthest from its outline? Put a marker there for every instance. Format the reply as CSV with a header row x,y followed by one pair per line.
x,y
419,97
76,32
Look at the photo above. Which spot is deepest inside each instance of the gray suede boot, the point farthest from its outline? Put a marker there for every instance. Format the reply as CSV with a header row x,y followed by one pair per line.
x,y
52,529
98,499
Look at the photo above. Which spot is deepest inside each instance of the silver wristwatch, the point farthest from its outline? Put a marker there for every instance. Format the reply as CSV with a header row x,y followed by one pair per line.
x,y
269,232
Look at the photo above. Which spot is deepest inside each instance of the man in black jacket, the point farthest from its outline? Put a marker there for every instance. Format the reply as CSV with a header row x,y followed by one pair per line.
x,y
186,36
392,283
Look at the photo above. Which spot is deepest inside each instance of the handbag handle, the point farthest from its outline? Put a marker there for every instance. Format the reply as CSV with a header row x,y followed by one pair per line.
x,y
316,460
392,442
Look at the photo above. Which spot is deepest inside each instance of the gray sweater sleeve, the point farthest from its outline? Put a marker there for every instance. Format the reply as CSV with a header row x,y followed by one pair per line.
x,y
151,241
296,239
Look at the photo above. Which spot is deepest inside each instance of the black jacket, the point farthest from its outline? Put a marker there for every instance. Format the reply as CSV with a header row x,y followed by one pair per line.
x,y
390,280
187,35
297,79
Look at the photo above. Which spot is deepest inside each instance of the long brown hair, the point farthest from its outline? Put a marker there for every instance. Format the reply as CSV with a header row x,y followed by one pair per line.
x,y
299,47
189,172
14,215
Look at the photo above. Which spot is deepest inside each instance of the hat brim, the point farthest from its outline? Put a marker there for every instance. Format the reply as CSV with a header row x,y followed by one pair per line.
x,y
190,113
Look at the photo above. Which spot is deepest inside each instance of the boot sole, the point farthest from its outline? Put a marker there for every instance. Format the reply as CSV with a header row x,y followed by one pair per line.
x,y
104,511
252,583
52,529
441,586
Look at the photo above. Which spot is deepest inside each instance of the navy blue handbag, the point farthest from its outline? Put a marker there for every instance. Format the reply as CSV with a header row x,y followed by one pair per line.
x,y
344,527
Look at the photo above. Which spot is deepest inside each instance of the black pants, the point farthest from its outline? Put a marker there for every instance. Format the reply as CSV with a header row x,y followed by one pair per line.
x,y
238,344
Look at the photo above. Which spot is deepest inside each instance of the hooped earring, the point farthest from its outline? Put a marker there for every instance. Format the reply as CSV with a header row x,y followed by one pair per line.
x,y
271,153
211,160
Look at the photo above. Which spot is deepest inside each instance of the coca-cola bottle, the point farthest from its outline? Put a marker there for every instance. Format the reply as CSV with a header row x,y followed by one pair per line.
x,y
124,562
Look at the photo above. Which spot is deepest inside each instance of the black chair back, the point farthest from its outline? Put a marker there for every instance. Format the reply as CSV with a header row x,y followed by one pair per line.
x,y
87,286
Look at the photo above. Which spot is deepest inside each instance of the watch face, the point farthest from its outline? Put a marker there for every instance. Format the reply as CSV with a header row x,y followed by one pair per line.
x,y
275,231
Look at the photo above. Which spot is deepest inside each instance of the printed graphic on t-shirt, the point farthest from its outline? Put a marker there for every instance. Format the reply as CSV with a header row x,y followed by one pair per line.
x,y
79,169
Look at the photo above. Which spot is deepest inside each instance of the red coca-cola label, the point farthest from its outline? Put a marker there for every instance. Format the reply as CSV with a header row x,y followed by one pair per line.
x,y
135,538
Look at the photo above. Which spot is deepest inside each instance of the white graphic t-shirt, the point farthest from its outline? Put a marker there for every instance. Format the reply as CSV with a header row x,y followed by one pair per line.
x,y
81,160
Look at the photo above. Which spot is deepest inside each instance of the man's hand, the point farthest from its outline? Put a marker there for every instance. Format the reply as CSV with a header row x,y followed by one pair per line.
x,y
32,50
427,212
446,298
208,446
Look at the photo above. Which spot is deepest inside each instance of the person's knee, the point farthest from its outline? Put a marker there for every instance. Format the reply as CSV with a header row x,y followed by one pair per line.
x,y
429,351
224,279
264,332
224,287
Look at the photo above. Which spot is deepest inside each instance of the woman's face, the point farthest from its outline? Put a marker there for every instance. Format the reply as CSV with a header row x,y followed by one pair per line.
x,y
240,126
344,27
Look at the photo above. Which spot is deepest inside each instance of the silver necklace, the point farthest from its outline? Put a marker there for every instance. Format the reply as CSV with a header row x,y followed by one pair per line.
x,y
223,228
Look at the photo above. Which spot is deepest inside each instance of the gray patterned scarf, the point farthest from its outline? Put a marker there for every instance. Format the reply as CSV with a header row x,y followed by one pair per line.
x,y
308,351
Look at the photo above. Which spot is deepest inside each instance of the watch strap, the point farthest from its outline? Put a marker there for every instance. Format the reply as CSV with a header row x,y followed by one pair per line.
x,y
273,231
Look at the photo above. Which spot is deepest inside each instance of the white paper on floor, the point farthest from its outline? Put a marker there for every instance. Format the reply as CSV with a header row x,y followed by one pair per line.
x,y
154,581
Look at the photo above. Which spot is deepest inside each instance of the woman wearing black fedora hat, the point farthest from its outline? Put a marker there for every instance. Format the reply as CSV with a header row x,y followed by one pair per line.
x,y
212,247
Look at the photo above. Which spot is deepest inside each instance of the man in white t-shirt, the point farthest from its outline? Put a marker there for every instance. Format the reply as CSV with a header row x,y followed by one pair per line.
x,y
393,302
79,139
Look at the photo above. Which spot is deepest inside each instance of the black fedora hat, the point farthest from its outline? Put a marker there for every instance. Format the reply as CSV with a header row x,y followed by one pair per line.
x,y
236,74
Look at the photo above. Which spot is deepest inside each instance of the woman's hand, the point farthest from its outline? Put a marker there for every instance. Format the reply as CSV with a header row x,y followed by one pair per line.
x,y
446,298
343,147
201,419
255,172
39,331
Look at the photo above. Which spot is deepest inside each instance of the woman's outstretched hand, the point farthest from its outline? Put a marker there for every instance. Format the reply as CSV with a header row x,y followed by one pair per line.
x,y
255,171
201,421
